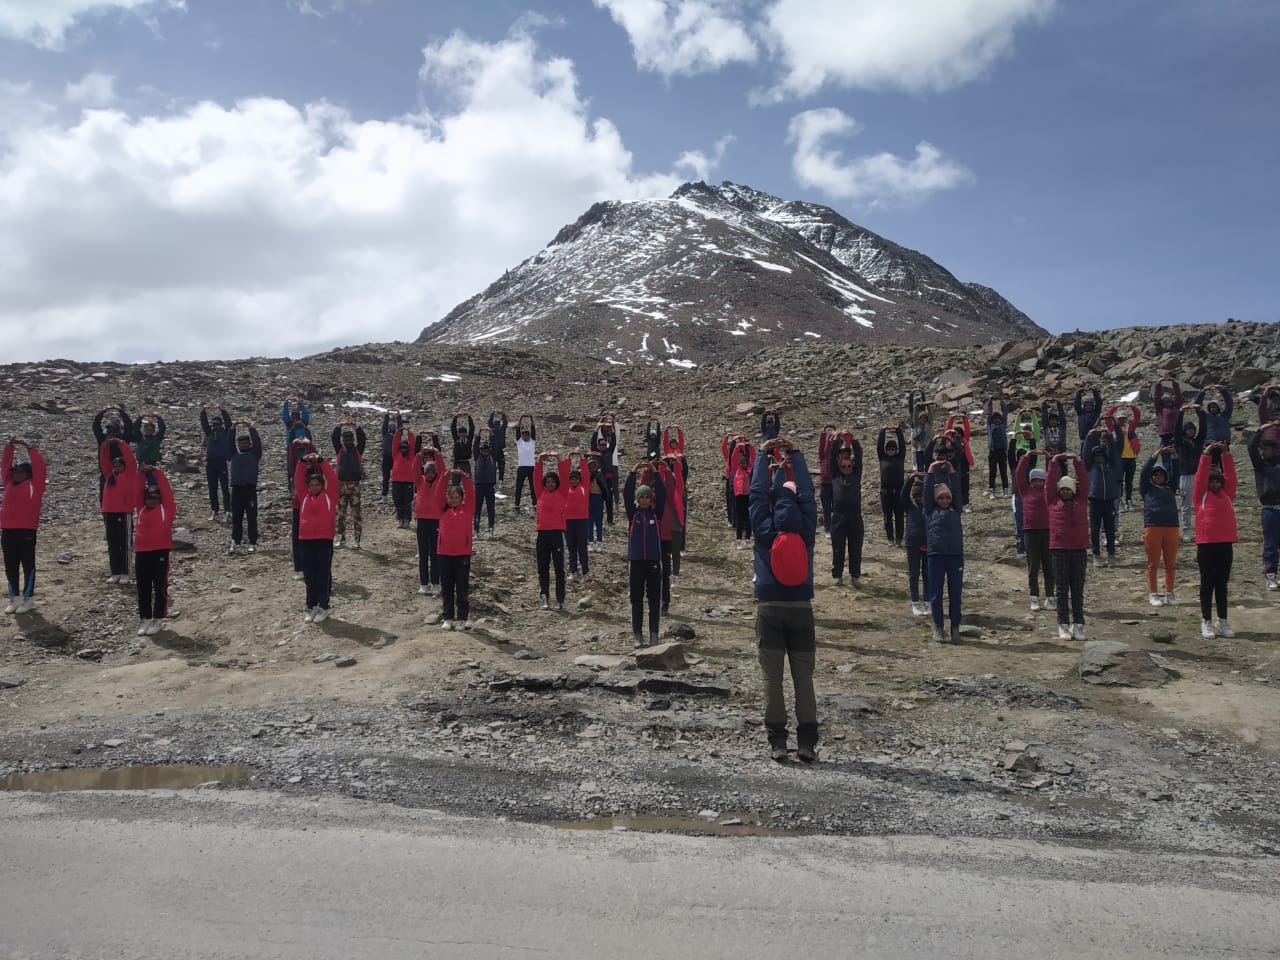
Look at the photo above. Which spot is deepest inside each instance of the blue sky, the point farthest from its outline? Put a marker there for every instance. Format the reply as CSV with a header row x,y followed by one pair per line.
x,y
225,178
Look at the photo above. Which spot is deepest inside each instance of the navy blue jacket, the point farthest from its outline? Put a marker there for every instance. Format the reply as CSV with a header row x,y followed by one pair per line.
x,y
916,533
389,430
1217,425
243,470
944,529
220,445
644,527
997,430
1266,473
1104,477
1086,420
498,432
484,469
777,509
1159,503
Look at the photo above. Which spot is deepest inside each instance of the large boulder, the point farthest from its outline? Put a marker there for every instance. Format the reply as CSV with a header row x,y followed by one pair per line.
x,y
1111,663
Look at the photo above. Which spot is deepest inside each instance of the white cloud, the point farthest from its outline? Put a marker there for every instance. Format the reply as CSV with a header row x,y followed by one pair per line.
x,y
683,36
94,89
698,166
873,180
45,23
262,227
891,44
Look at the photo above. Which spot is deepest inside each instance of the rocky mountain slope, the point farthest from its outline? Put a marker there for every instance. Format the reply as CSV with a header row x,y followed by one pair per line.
x,y
712,272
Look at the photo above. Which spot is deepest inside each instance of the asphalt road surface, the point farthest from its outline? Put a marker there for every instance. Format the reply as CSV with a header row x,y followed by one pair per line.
x,y
249,874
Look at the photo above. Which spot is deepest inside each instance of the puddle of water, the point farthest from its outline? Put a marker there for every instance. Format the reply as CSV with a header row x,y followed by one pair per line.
x,y
175,777
692,825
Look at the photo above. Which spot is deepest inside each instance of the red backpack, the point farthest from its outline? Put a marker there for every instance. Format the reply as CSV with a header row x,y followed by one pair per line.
x,y
789,559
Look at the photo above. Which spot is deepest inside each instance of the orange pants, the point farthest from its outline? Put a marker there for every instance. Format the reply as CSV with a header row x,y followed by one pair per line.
x,y
1160,542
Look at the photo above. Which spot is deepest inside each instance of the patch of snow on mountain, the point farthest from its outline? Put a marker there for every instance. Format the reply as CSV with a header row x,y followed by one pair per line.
x,y
684,364
772,266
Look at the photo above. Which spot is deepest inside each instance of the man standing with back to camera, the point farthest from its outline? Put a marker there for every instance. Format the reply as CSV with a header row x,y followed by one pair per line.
x,y
783,508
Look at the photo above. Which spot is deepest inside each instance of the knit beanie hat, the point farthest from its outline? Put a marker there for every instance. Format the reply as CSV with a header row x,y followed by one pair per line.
x,y
940,489
1067,483
1038,473
644,490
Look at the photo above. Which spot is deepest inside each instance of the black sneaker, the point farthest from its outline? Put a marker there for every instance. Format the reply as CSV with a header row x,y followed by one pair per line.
x,y
808,754
955,636
780,754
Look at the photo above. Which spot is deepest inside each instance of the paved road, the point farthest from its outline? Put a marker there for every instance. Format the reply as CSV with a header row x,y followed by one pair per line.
x,y
247,874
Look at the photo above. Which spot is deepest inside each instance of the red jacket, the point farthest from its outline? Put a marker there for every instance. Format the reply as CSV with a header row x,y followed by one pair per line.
x,y
295,457
1068,519
551,505
20,508
741,475
577,500
455,522
426,502
1035,503
1215,512
673,481
117,492
402,463
317,513
669,445
153,526
724,452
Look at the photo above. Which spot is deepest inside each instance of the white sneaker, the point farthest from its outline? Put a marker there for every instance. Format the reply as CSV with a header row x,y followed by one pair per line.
x,y
13,605
836,581
1077,631
1224,628
1035,602
253,548
446,624
1272,584
156,626
1206,629
1050,603
142,628
113,579
26,605
356,545
675,582
298,575
321,614
311,615
1168,600
423,590
213,518
1064,632
435,589
337,541
460,625
124,580
231,550
1154,600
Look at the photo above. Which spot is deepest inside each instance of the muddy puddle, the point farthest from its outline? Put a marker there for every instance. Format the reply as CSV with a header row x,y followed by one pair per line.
x,y
727,826
174,777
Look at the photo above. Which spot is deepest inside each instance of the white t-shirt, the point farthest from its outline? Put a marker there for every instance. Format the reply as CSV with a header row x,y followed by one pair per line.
x,y
526,452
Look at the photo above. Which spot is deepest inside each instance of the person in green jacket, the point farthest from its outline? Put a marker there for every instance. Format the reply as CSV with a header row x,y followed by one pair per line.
x,y
148,434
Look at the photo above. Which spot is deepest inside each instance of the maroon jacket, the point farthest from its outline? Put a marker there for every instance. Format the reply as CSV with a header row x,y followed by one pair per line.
x,y
1035,503
1068,519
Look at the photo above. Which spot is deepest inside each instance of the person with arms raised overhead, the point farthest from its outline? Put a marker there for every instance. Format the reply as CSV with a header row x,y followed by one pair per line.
x,y
784,519
1167,403
549,523
148,435
153,525
1216,532
1053,429
24,485
944,529
1124,428
348,448
119,470
1264,454
454,499
1101,456
295,416
997,419
916,538
847,531
485,483
743,458
463,435
498,442
920,414
600,499
403,447
959,427
1088,413
1067,483
1189,442
770,424
577,513
391,424
825,440
243,473
218,450
645,498
526,458
317,484
891,450
1159,523
1026,439
429,474
1217,416
1029,479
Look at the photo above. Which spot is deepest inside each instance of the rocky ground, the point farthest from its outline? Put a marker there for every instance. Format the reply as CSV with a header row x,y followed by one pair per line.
x,y
999,737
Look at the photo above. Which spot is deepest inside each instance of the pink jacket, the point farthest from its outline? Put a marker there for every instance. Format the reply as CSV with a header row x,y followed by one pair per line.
x,y
1068,519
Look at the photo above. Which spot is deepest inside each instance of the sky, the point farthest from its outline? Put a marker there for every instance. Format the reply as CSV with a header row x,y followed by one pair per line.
x,y
201,179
